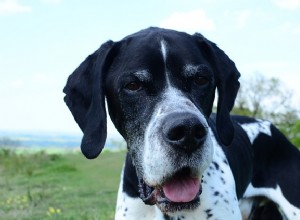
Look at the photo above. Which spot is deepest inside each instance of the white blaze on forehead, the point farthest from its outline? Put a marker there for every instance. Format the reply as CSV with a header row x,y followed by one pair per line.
x,y
163,48
164,51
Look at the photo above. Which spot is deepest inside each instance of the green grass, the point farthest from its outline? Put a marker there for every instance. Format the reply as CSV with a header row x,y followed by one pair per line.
x,y
58,186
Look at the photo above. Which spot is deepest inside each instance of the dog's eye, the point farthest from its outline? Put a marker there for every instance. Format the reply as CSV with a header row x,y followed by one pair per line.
x,y
133,86
200,80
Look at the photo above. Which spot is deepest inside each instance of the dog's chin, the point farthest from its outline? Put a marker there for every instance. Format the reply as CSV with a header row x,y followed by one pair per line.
x,y
179,192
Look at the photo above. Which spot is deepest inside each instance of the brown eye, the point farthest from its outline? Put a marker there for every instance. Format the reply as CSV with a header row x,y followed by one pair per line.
x,y
133,86
200,80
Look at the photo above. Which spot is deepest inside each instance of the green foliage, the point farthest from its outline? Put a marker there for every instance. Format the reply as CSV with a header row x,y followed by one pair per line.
x,y
293,132
58,186
241,111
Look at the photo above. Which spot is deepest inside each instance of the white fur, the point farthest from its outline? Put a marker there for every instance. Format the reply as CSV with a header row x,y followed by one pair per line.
x,y
131,208
191,70
290,211
164,52
163,46
256,128
246,205
143,75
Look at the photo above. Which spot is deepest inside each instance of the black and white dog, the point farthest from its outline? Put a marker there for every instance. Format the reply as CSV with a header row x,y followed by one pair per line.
x,y
183,161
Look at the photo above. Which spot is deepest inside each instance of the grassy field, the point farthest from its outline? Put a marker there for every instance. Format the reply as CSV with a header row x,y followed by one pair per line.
x,y
58,186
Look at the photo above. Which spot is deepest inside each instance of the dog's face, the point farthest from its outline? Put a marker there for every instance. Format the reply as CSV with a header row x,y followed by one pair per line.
x,y
160,87
160,103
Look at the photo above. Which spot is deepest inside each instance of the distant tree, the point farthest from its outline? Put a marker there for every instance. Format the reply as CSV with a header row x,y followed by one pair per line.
x,y
294,133
6,142
289,124
263,97
118,144
267,98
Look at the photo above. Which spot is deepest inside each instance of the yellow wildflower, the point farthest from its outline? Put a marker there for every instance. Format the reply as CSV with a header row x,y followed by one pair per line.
x,y
51,210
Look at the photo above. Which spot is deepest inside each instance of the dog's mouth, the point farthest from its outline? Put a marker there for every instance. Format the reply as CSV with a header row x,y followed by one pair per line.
x,y
180,191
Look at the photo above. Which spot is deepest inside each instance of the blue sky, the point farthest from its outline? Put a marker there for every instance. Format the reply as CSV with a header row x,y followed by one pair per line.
x,y
43,41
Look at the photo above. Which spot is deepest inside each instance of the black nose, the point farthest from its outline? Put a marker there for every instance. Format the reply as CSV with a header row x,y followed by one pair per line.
x,y
184,131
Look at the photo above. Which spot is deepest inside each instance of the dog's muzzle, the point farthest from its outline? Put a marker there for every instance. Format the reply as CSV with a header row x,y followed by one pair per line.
x,y
184,135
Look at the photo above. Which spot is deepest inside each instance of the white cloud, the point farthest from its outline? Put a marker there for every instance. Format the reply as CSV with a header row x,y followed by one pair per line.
x,y
286,26
17,84
296,30
40,78
193,21
290,27
242,18
13,7
33,82
43,79
288,4
52,2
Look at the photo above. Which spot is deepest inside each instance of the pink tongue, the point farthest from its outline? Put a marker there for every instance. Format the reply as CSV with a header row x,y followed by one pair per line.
x,y
182,190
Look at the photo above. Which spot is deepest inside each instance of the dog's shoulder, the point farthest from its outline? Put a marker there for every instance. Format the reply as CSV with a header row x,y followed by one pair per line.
x,y
239,154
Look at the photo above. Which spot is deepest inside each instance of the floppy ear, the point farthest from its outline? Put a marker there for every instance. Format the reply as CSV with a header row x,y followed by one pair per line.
x,y
226,76
85,99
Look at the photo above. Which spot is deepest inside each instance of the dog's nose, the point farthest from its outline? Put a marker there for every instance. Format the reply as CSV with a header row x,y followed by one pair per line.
x,y
184,131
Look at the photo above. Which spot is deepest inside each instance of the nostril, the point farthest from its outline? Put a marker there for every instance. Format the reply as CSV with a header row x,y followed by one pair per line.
x,y
198,132
177,133
193,133
183,131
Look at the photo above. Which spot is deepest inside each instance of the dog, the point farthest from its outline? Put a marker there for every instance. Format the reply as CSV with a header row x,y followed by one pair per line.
x,y
183,160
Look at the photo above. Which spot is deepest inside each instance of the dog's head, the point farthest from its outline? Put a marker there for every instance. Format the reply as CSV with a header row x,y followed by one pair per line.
x,y
160,87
